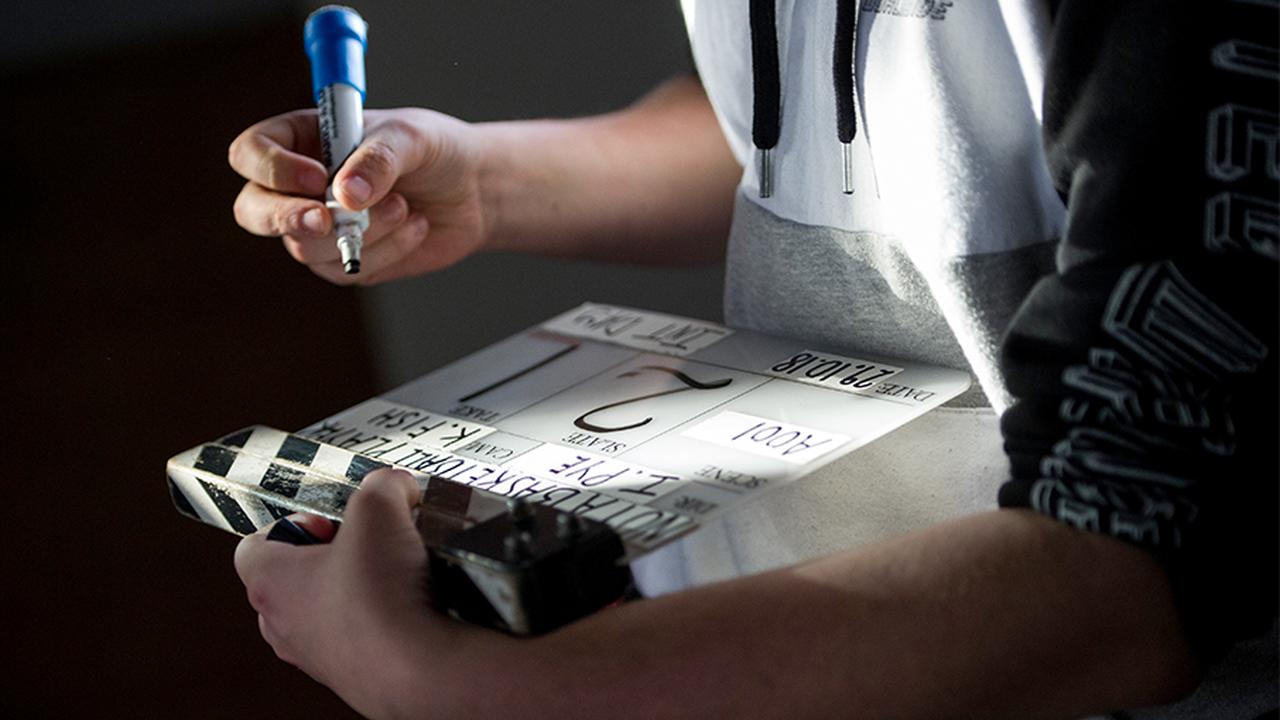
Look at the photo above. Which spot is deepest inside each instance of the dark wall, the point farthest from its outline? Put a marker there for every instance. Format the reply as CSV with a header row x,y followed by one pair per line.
x,y
139,320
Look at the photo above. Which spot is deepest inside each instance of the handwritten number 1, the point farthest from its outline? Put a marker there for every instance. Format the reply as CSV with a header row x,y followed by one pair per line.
x,y
521,373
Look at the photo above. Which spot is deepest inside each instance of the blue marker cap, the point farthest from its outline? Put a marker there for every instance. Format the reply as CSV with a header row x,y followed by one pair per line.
x,y
335,36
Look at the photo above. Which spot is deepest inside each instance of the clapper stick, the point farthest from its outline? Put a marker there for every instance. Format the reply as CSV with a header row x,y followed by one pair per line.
x,y
510,565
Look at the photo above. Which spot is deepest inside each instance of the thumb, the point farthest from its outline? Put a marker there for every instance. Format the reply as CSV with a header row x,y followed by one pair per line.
x,y
381,511
389,150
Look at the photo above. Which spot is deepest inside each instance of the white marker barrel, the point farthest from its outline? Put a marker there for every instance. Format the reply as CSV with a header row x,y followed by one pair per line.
x,y
335,38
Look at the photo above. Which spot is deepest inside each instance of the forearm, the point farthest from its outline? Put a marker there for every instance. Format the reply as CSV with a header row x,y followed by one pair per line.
x,y
1145,368
1005,614
652,183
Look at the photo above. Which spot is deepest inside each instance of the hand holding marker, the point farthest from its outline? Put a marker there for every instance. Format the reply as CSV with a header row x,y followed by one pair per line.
x,y
335,38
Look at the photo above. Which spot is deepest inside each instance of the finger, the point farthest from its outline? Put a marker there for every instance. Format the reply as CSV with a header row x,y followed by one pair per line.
x,y
272,214
384,218
279,153
286,530
259,562
382,261
381,549
268,634
388,151
277,640
381,510
321,528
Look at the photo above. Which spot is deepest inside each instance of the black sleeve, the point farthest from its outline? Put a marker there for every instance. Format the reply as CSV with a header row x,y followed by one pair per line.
x,y
1145,368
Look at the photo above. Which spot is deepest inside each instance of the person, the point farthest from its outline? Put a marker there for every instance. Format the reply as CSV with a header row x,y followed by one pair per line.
x,y
1113,289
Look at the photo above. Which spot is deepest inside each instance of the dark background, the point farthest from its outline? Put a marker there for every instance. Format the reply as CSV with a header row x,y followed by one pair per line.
x,y
139,320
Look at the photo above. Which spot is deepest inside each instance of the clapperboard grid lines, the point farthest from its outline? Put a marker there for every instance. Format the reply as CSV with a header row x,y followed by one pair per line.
x,y
249,479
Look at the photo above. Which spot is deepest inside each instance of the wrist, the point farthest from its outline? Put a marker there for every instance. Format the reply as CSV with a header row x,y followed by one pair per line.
x,y
452,669
502,183
541,183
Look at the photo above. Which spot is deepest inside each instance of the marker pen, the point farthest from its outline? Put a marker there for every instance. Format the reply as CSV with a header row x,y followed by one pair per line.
x,y
335,37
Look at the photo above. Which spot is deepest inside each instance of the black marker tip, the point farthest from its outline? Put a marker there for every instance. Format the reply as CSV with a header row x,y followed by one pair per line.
x,y
351,267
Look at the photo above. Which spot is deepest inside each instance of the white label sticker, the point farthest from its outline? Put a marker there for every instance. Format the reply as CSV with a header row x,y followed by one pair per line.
x,y
655,332
594,472
376,423
497,447
833,371
794,444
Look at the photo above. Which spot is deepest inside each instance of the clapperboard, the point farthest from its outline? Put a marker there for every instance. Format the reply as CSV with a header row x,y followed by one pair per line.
x,y
552,458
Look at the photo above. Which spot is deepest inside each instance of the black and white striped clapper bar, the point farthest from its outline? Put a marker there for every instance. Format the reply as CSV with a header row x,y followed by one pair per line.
x,y
521,568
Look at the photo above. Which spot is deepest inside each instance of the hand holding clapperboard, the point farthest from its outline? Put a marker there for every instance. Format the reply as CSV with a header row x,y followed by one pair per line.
x,y
552,458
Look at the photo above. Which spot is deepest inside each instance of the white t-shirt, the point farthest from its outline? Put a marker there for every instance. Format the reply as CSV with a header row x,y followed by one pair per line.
x,y
951,193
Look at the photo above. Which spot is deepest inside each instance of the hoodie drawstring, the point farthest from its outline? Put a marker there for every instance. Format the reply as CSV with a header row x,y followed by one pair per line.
x,y
766,118
844,77
766,111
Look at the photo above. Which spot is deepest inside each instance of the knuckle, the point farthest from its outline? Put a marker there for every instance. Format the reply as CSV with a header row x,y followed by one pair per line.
x,y
243,559
259,598
419,231
379,159
371,499
300,117
281,219
398,485
278,640
240,154
393,208
380,493
400,126
414,232
282,653
234,151
399,208
268,166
